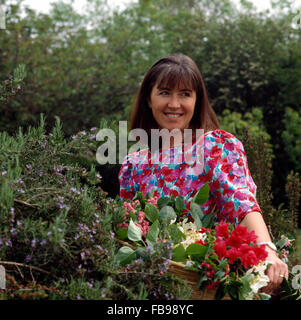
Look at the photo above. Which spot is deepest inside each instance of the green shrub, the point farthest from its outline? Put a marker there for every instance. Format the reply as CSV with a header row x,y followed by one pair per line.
x,y
10,87
292,136
280,220
56,224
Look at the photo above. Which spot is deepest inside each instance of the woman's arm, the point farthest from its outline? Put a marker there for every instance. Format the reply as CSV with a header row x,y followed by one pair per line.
x,y
254,222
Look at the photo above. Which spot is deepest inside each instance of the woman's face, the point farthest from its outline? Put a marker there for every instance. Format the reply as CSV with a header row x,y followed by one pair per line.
x,y
172,108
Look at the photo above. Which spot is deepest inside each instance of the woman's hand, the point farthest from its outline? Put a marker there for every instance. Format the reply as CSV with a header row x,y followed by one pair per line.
x,y
276,272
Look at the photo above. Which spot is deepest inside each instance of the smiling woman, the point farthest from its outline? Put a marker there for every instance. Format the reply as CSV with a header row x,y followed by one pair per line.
x,y
172,97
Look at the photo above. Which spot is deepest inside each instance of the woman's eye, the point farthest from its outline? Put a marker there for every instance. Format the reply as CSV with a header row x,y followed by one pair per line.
x,y
186,94
164,93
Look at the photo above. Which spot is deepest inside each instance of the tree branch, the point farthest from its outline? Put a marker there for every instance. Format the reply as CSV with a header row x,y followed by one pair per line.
x,y
17,264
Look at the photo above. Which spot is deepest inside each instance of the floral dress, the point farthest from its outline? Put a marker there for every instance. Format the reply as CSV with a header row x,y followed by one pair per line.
x,y
217,157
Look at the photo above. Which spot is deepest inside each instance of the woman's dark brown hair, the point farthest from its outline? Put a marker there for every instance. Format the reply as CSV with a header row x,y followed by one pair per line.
x,y
176,70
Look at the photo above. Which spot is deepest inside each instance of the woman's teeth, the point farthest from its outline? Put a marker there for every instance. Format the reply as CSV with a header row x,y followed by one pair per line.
x,y
172,115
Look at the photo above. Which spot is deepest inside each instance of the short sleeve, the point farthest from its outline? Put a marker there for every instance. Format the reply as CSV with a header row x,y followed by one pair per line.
x,y
125,176
233,187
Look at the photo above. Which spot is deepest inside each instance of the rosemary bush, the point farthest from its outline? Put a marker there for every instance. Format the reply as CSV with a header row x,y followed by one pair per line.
x,y
56,239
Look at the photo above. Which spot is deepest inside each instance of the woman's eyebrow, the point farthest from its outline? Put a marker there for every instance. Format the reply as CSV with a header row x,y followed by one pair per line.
x,y
186,89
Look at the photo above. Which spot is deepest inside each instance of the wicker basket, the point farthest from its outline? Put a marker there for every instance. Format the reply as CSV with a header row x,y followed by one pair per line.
x,y
192,278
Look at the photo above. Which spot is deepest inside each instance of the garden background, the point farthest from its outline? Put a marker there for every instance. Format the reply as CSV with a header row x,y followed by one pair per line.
x,y
65,75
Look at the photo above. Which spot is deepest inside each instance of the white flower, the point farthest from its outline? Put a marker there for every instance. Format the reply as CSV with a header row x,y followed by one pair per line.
x,y
189,263
173,221
258,279
260,268
185,226
259,282
191,233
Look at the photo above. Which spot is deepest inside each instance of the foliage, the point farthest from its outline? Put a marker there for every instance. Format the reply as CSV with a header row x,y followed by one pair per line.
x,y
11,86
252,122
287,290
260,166
292,136
31,290
293,190
278,218
237,123
56,235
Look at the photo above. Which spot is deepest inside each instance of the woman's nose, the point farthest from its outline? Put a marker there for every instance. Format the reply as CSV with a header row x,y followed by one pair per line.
x,y
174,102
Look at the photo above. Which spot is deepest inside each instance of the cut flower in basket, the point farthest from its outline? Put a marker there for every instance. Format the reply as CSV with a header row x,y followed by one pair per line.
x,y
226,257
191,234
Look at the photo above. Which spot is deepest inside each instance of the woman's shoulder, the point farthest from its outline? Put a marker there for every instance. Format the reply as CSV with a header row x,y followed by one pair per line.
x,y
222,139
220,135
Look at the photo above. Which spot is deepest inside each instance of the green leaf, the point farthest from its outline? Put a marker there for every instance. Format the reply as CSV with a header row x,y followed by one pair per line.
x,y
122,233
175,233
140,252
245,288
223,263
162,202
233,292
235,283
286,287
280,244
168,214
197,214
125,255
134,232
202,195
179,254
202,279
220,292
208,220
150,244
151,212
153,232
196,251
218,275
180,204
138,196
172,200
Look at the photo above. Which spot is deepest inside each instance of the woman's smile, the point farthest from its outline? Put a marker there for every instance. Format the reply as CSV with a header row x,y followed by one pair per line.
x,y
173,115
